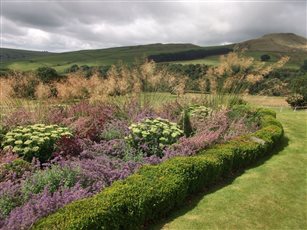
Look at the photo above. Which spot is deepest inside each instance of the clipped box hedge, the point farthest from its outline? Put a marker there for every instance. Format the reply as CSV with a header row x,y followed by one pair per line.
x,y
154,191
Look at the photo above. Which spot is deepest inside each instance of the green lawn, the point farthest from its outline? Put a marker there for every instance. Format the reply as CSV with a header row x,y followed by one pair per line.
x,y
271,195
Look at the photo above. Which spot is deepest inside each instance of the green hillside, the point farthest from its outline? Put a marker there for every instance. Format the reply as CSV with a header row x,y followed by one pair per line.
x,y
16,54
277,42
275,45
98,57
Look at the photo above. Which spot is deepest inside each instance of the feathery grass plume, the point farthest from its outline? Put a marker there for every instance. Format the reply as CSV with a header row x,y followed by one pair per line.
x,y
235,74
5,88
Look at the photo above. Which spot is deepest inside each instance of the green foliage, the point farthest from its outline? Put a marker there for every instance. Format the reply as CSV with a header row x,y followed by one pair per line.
x,y
298,85
154,191
265,57
34,140
52,178
296,100
2,133
154,134
193,113
111,132
18,167
186,123
72,69
199,112
304,66
46,74
8,203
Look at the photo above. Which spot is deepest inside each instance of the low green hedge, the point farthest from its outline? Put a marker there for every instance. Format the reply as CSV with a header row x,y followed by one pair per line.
x,y
154,191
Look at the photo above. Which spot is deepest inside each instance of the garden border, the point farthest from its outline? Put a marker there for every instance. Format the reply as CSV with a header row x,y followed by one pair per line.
x,y
154,191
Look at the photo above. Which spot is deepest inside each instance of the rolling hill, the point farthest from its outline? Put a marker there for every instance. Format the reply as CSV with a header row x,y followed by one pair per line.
x,y
276,45
16,54
277,42
109,56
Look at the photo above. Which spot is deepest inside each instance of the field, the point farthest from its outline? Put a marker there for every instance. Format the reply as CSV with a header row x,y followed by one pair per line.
x,y
294,63
270,195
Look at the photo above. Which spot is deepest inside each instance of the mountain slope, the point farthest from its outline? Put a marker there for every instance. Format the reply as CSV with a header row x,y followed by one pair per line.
x,y
278,42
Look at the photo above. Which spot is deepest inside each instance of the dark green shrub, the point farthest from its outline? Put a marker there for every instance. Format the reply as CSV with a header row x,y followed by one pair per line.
x,y
34,140
186,123
2,133
154,134
265,57
304,66
72,69
46,74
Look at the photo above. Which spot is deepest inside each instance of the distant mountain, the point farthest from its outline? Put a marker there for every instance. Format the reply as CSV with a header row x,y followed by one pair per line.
x,y
277,42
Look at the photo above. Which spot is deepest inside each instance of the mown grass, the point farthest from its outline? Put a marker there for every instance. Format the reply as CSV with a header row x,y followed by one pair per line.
x,y
271,195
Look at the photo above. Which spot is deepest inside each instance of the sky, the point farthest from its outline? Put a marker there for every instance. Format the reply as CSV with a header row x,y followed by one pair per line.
x,y
59,26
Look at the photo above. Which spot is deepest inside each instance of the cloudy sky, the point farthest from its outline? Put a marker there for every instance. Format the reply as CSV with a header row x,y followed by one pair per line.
x,y
73,25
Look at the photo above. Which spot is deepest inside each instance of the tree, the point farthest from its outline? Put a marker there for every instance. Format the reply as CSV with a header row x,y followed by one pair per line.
x,y
46,74
304,66
265,57
72,69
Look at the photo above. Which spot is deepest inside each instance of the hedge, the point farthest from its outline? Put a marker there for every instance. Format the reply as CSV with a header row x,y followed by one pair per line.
x,y
154,191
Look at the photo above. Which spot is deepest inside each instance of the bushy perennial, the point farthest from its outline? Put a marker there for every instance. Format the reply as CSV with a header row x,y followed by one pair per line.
x,y
153,134
34,140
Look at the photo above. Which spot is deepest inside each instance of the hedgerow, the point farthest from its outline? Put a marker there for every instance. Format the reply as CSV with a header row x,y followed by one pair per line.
x,y
154,191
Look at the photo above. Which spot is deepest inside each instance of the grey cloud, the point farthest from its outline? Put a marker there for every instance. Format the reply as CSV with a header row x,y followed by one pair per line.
x,y
63,26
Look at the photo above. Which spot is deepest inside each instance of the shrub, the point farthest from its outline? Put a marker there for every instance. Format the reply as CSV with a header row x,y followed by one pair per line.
x,y
265,57
46,74
296,100
34,140
67,147
24,86
304,66
2,133
116,129
17,167
50,178
192,116
10,197
85,119
153,134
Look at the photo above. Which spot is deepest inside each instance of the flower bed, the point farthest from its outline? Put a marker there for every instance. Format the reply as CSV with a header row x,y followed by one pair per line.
x,y
107,146
154,191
